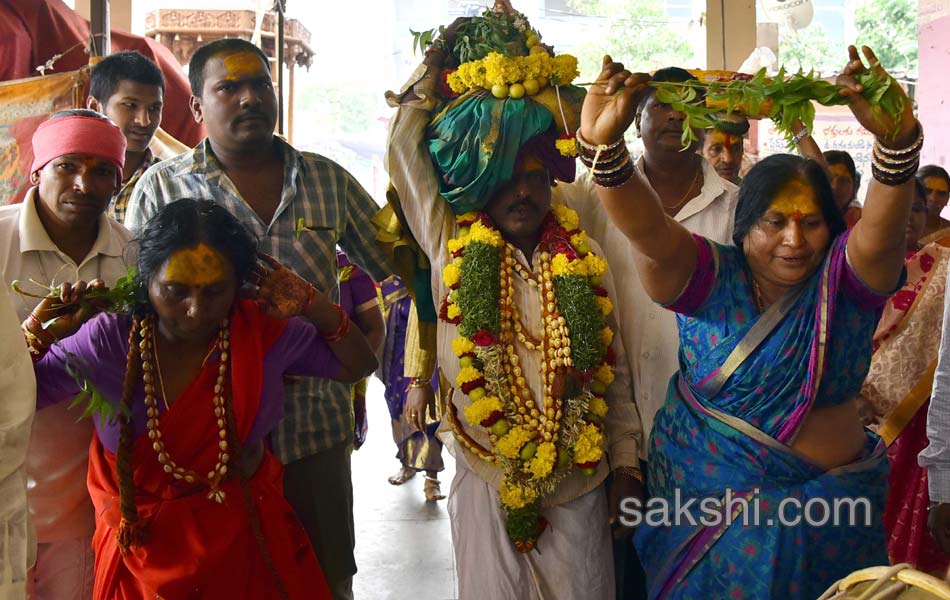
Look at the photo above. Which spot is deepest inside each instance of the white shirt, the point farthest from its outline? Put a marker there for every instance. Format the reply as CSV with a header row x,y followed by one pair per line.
x,y
648,330
56,464
936,456
18,391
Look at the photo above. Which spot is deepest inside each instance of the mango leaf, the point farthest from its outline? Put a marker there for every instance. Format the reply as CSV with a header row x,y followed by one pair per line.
x,y
96,402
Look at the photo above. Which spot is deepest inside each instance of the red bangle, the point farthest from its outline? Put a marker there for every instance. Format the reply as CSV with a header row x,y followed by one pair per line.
x,y
342,329
44,336
313,296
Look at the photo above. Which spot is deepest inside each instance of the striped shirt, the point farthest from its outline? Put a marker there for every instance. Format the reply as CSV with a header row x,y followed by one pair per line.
x,y
332,209
121,200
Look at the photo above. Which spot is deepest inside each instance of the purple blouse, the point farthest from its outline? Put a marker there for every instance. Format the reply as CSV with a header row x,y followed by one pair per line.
x,y
99,351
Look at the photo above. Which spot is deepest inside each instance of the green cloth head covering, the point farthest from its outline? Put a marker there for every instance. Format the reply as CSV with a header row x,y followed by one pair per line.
x,y
474,143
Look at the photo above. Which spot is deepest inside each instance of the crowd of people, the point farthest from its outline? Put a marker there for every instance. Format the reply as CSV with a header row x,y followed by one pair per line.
x,y
586,340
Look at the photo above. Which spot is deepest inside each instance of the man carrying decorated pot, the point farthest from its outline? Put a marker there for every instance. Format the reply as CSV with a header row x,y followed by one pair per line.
x,y
536,385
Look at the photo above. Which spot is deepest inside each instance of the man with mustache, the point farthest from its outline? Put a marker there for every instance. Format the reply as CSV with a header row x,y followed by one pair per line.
x,y
475,180
129,89
300,206
723,146
60,233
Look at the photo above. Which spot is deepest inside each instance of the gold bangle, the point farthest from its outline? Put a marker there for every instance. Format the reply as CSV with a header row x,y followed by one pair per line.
x,y
418,382
33,343
590,147
612,169
914,147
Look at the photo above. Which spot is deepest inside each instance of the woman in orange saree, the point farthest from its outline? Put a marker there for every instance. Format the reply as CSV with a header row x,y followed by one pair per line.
x,y
896,393
189,500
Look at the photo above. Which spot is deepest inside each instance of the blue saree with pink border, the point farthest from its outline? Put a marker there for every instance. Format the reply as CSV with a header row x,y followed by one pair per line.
x,y
730,417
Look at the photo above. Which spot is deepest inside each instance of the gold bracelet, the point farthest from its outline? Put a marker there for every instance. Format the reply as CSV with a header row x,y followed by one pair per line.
x,y
34,344
418,382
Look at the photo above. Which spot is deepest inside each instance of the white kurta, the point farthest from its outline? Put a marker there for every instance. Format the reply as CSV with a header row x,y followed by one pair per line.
x,y
18,393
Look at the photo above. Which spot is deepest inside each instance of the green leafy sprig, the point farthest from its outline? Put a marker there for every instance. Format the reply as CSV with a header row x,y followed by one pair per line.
x,y
523,524
784,98
480,289
479,36
120,298
577,302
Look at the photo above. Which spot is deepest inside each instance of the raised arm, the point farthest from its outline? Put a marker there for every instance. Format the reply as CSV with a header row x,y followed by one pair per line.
x,y
284,294
876,246
665,253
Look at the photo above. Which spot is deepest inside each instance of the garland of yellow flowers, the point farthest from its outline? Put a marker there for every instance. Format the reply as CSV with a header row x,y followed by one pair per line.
x,y
535,447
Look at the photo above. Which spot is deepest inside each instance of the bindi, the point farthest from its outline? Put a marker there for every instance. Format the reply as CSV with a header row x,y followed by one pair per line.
x,y
198,266
795,200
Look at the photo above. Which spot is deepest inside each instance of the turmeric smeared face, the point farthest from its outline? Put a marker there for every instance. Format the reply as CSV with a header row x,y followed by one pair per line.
x,y
193,293
789,241
938,192
238,105
842,185
724,153
519,206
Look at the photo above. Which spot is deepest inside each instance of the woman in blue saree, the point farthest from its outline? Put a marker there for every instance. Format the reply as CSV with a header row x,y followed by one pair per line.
x,y
775,341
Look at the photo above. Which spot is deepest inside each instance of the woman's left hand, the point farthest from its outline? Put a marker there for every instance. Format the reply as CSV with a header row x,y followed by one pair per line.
x,y
881,125
623,486
281,292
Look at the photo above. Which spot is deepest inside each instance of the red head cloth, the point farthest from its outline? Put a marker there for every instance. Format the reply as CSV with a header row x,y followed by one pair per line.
x,y
78,135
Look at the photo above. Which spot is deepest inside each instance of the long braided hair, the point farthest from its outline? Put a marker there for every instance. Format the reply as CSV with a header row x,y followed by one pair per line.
x,y
181,224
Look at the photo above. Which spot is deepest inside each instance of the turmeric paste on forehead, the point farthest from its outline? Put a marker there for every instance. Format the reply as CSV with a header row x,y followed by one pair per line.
x,y
242,64
198,266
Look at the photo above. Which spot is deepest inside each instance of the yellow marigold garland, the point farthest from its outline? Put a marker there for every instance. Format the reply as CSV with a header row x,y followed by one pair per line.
x,y
497,69
533,459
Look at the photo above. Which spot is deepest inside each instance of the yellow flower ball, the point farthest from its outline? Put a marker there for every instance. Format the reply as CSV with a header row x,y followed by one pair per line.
x,y
478,411
566,217
564,69
598,406
588,447
510,444
451,275
560,265
466,375
578,239
462,346
565,147
543,461
604,374
605,305
606,336
453,311
595,265
485,235
513,495
456,244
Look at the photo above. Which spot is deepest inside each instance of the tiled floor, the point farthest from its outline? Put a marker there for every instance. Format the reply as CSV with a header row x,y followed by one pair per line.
x,y
403,543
